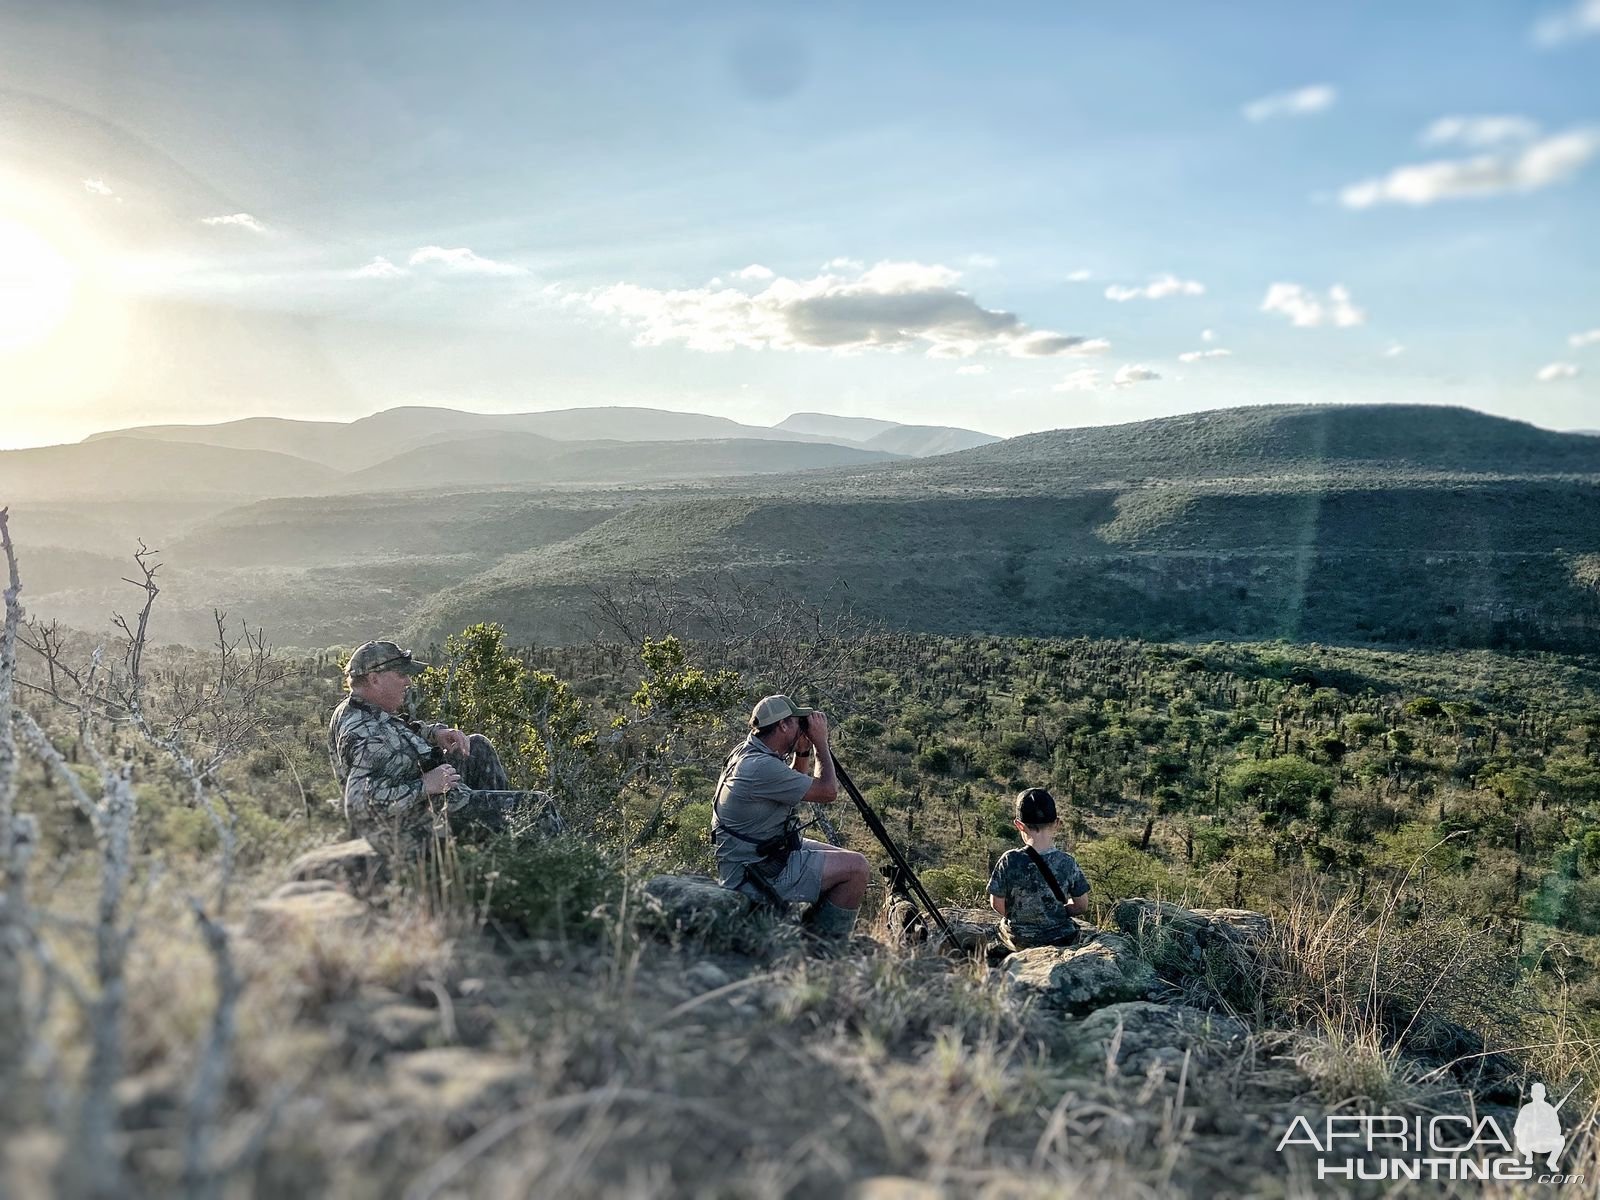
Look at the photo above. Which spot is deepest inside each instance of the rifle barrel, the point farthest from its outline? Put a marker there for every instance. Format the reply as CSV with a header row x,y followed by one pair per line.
x,y
920,893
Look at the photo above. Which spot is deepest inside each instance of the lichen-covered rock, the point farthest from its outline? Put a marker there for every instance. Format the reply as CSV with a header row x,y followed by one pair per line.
x,y
690,904
354,864
1137,1035
1180,942
1101,970
455,1085
314,905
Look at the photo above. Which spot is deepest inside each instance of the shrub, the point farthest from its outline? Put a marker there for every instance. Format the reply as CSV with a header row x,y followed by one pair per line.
x,y
1116,870
535,886
954,885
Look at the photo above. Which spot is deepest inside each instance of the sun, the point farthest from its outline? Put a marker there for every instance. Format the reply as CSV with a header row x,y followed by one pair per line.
x,y
36,285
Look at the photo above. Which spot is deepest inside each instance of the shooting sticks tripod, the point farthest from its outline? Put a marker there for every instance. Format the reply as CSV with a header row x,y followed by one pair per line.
x,y
906,880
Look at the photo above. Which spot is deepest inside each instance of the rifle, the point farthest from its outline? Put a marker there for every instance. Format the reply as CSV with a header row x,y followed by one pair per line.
x,y
906,881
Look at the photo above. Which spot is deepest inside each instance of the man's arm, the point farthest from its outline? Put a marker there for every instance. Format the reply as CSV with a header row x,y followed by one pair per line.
x,y
825,783
384,780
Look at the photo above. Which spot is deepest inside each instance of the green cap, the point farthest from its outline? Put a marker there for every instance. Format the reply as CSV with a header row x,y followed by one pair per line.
x,y
382,656
772,709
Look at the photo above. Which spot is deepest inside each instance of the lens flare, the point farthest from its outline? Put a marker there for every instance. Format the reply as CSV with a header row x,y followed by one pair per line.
x,y
36,286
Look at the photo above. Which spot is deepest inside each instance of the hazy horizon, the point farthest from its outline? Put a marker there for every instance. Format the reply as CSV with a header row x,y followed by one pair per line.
x,y
1050,218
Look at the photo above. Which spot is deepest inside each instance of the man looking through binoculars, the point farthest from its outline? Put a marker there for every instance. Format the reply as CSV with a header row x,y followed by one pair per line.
x,y
785,762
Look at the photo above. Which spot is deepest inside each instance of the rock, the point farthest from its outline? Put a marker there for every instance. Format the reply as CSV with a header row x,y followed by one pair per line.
x,y
1238,925
455,1085
306,906
1101,970
706,977
690,904
1181,943
354,864
1146,1034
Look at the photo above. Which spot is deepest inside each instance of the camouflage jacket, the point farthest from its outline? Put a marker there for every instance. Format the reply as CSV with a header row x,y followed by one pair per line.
x,y
1034,916
378,759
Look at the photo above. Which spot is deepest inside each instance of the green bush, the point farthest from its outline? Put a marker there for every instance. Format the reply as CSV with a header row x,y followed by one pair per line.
x,y
1115,870
537,887
954,885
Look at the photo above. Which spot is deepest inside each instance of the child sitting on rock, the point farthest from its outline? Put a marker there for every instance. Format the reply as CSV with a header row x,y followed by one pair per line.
x,y
1038,889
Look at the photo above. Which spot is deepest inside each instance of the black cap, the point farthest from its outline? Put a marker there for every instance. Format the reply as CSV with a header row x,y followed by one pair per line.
x,y
1036,807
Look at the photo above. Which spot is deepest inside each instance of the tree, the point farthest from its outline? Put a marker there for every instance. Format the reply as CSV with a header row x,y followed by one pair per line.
x,y
1282,789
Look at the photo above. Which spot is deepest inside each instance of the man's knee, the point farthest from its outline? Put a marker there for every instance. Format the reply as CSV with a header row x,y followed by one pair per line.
x,y
860,868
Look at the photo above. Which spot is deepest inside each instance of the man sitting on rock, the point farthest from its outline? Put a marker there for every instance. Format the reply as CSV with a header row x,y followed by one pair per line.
x,y
408,784
1037,890
783,763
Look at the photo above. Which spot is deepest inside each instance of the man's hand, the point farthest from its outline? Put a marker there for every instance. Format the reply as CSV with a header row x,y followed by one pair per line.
x,y
816,730
440,780
451,741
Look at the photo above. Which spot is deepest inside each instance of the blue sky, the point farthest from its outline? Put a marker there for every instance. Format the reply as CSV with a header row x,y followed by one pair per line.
x,y
307,210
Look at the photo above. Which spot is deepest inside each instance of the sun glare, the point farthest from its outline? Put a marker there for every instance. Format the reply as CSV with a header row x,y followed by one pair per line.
x,y
36,284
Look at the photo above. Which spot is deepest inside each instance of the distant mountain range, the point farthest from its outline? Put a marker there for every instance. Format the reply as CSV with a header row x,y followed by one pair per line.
x,y
1389,523
409,448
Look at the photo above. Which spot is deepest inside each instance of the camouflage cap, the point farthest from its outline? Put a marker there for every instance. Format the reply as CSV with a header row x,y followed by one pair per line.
x,y
382,656
773,709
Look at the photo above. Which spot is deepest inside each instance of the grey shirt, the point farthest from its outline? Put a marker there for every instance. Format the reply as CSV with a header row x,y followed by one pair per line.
x,y
1033,913
756,796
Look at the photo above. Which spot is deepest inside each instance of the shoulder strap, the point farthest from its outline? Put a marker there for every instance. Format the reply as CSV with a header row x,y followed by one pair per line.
x,y
1049,875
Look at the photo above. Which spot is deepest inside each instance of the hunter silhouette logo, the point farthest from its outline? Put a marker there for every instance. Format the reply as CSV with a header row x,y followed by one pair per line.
x,y
1442,1146
1538,1129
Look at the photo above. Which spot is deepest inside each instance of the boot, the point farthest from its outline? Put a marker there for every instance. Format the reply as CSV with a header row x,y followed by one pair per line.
x,y
828,920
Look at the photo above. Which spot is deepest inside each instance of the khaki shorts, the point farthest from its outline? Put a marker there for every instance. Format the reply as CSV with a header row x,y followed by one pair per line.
x,y
801,877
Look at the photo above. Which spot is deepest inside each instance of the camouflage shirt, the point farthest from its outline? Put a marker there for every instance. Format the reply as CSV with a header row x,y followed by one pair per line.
x,y
378,759
1034,917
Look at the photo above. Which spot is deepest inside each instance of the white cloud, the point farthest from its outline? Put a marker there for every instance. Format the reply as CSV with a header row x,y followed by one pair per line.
x,y
1393,350
1298,103
893,306
1132,373
983,262
972,369
1308,310
98,187
1479,132
1084,379
844,264
1208,335
1551,372
754,271
1081,275
462,261
1157,289
1588,338
1579,20
1198,355
1554,159
242,220
379,268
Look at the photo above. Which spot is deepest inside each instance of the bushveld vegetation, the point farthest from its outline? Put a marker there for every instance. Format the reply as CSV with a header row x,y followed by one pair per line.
x,y
1422,826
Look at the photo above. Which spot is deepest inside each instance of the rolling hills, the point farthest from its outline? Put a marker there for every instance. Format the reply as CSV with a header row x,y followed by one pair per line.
x,y
1392,523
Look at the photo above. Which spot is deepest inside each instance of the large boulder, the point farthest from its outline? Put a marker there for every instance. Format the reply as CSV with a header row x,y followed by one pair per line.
x,y
1180,942
314,906
1137,1035
692,905
1100,970
354,865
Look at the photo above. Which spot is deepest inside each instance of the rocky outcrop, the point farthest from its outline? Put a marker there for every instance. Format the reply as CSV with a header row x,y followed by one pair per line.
x,y
1137,1035
354,865
976,930
1181,942
314,906
1103,969
690,905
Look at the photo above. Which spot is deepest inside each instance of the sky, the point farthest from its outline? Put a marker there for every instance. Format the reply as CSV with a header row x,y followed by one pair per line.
x,y
1056,214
